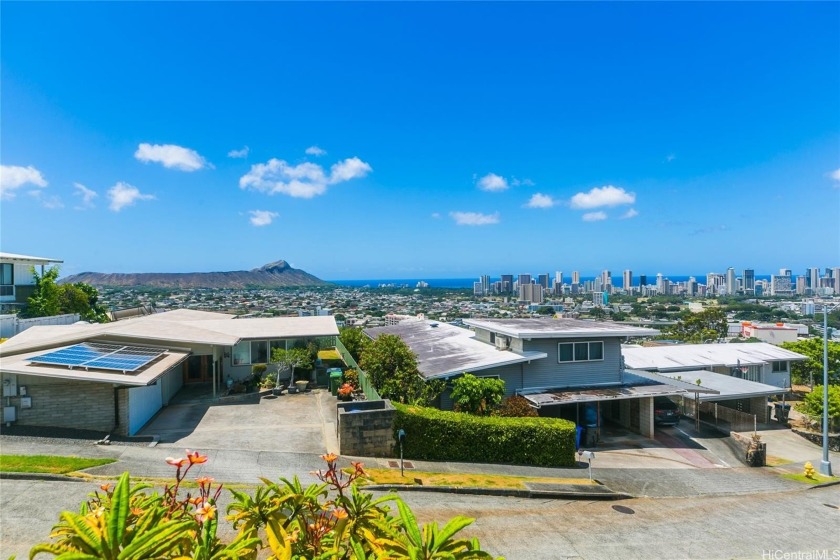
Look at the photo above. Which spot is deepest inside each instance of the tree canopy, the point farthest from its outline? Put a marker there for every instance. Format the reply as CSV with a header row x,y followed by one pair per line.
x,y
355,341
392,368
709,324
801,372
50,298
477,395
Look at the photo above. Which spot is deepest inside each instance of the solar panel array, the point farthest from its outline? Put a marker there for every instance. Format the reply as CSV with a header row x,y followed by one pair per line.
x,y
97,355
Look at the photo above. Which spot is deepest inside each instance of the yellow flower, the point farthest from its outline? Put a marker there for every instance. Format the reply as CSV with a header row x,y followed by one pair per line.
x,y
205,512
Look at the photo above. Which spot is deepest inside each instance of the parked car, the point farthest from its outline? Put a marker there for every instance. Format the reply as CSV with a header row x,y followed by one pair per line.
x,y
665,411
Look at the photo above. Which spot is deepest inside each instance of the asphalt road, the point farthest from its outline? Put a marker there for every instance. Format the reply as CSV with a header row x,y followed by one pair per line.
x,y
720,527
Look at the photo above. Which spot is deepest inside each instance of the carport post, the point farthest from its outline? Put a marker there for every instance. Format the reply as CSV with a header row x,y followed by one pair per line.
x,y
214,372
697,411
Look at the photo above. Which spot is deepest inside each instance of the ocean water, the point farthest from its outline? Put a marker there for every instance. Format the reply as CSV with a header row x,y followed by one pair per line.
x,y
468,282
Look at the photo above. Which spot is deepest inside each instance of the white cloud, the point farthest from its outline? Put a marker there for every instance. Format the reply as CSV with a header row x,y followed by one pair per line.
x,y
315,151
670,157
540,200
631,213
261,218
474,218
87,196
436,215
602,196
524,182
594,216
171,156
304,180
239,154
493,183
836,176
15,176
51,202
123,194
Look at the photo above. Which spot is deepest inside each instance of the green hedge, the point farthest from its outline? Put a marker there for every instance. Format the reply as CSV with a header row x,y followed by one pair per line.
x,y
437,435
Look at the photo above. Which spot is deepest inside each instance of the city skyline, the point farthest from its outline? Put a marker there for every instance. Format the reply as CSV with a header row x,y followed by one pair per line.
x,y
404,141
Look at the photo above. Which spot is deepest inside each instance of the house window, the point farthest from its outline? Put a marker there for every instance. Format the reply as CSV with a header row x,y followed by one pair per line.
x,y
7,279
242,354
580,351
780,366
259,351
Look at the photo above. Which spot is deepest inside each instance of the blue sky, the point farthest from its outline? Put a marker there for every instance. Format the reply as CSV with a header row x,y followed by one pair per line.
x,y
417,140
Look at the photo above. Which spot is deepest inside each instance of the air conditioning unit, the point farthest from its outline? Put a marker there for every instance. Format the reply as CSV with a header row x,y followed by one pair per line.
x,y
502,343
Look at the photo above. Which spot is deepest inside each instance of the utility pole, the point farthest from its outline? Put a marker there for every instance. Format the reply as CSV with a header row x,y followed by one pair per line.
x,y
825,465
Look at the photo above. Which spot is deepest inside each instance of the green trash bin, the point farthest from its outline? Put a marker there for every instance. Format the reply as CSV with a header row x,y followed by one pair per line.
x,y
335,380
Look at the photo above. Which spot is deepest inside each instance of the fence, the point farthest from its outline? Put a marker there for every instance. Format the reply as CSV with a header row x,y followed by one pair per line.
x,y
11,325
364,381
721,417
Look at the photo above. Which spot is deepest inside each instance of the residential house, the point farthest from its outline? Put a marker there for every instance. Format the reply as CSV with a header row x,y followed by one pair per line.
x,y
114,377
17,283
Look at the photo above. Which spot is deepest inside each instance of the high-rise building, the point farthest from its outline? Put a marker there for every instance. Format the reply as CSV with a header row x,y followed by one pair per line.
x,y
531,293
627,281
507,283
543,280
485,284
524,279
558,277
642,280
659,283
780,285
785,272
691,286
749,281
813,279
606,278
731,284
802,285
575,277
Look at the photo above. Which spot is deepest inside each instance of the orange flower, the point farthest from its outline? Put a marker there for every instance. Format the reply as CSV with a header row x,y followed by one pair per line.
x,y
205,512
137,511
339,514
202,480
196,458
196,500
180,462
104,487
329,457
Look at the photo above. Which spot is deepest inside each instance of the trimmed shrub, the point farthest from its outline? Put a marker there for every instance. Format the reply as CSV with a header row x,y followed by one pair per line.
x,y
516,407
437,435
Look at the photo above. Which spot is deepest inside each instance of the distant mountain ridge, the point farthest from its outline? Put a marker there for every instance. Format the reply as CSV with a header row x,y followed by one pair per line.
x,y
273,275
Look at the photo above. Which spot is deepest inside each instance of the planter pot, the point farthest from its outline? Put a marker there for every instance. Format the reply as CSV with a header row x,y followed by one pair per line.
x,y
277,392
301,386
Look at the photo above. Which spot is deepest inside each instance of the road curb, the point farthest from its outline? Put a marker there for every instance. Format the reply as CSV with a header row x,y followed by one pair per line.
x,y
40,476
824,484
503,492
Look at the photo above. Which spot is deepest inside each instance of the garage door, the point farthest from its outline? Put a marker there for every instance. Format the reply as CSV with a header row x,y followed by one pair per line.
x,y
143,403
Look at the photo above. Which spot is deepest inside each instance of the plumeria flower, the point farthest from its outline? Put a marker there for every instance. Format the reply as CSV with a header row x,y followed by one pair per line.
x,y
202,480
339,514
329,457
137,511
180,462
104,487
196,458
205,512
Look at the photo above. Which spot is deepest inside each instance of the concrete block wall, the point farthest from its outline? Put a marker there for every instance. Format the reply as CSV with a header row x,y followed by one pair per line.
x,y
366,428
67,404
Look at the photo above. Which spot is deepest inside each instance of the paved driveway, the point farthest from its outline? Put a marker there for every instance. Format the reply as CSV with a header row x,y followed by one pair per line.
x,y
302,423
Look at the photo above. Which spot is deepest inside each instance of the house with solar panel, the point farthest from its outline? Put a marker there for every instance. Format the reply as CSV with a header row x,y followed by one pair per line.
x,y
115,377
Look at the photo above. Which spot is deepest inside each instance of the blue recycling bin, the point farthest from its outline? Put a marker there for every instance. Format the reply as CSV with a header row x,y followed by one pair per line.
x,y
578,432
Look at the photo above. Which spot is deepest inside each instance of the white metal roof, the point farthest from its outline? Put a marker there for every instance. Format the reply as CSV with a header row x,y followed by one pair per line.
x,y
558,328
676,357
445,350
181,328
26,259
727,386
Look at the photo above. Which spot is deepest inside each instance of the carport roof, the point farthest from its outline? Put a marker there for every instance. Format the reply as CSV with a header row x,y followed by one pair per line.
x,y
729,387
636,385
21,365
445,350
678,357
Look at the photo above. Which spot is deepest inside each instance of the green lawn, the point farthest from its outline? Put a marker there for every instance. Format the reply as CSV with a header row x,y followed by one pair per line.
x,y
54,464
818,478
392,476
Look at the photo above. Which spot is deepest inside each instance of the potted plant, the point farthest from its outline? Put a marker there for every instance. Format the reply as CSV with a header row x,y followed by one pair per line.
x,y
345,392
